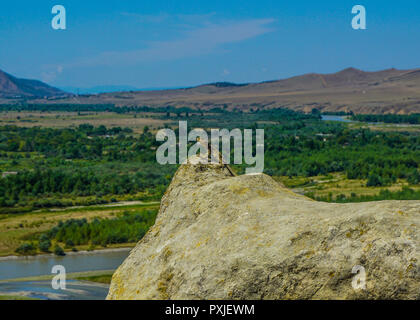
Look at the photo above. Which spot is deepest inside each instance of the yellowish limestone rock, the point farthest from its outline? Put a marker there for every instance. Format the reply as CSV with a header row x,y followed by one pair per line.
x,y
219,236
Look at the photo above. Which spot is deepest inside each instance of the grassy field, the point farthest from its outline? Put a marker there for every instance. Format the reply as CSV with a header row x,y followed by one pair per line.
x,y
99,276
56,119
386,127
16,298
16,228
337,184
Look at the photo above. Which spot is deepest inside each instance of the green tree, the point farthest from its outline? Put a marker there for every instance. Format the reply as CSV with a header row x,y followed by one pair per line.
x,y
26,249
374,180
44,243
58,251
414,177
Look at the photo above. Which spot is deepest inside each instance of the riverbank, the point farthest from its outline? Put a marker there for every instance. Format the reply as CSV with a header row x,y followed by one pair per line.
x,y
96,283
91,263
16,229
79,285
42,290
81,276
126,247
9,298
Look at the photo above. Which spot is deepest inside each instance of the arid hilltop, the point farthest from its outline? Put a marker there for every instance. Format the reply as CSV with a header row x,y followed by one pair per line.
x,y
12,89
219,236
387,91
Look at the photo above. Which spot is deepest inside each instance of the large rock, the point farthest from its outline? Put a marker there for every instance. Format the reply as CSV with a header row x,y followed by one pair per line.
x,y
247,237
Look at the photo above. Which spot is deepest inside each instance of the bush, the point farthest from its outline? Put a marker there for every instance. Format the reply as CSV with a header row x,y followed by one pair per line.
x,y
26,249
58,251
414,178
374,181
44,245
69,243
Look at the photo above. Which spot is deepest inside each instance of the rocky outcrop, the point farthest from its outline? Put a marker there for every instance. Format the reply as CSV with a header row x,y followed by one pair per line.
x,y
219,236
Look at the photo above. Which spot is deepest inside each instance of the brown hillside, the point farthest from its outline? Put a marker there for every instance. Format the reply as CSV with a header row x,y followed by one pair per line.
x,y
12,88
387,91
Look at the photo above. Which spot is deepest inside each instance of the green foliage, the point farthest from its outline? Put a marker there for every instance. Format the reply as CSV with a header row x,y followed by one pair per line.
x,y
302,145
92,165
128,227
69,243
388,118
218,118
26,249
405,194
321,149
374,180
90,108
87,161
58,251
44,243
104,278
414,177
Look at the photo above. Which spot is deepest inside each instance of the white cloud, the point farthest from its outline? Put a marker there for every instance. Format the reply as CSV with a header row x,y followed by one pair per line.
x,y
199,41
146,18
172,20
51,75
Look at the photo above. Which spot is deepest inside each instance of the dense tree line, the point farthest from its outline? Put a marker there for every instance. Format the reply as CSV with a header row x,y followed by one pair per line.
x,y
238,119
129,227
87,161
79,182
125,228
68,107
86,142
405,194
361,154
387,118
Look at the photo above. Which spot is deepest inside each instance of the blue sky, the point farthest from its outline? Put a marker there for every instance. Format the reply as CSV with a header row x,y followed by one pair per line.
x,y
158,43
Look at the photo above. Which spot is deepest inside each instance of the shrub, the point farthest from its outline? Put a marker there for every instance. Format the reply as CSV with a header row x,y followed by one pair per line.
x,y
58,251
414,178
69,243
374,181
44,245
26,249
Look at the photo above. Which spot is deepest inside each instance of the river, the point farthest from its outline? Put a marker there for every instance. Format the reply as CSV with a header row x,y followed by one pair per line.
x,y
335,118
23,267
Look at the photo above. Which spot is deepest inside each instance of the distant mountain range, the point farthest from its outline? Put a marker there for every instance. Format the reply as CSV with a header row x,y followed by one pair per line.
x,y
99,89
12,88
110,88
387,91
